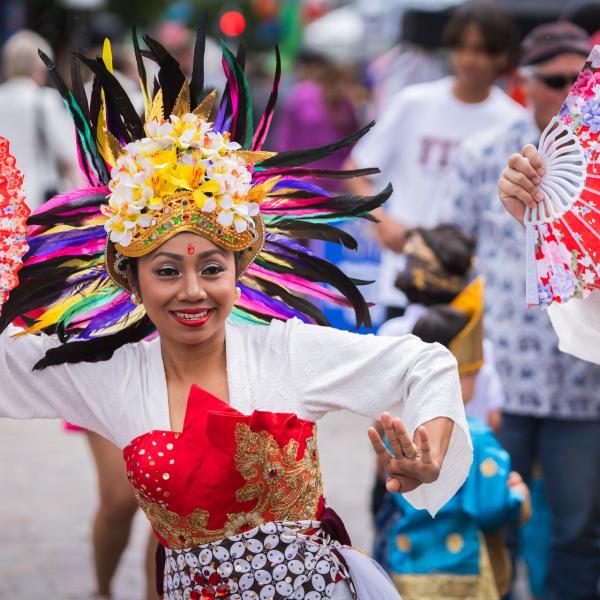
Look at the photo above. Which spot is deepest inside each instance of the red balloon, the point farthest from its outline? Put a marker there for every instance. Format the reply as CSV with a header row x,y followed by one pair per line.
x,y
232,23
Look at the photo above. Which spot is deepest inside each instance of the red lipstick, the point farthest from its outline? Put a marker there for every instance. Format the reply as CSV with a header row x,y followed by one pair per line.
x,y
192,317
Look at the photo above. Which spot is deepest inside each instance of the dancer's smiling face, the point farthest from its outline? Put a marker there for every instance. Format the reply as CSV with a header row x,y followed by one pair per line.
x,y
187,286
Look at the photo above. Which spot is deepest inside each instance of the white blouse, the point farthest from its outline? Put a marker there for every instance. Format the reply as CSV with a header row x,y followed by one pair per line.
x,y
284,367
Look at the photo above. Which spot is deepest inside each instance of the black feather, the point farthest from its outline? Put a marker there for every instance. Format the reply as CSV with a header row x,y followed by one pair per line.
x,y
265,121
240,56
60,214
78,89
313,231
344,206
95,103
149,54
226,98
322,173
317,270
139,61
242,125
85,136
116,94
293,300
294,158
351,205
170,77
197,80
38,286
98,349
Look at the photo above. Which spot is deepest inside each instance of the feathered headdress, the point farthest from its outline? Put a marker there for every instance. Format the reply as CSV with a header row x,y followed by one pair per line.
x,y
178,170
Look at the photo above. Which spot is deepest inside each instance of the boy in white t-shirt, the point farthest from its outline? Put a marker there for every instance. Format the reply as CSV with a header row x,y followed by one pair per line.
x,y
416,135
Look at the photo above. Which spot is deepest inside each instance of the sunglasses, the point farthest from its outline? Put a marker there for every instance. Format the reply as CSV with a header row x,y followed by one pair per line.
x,y
557,82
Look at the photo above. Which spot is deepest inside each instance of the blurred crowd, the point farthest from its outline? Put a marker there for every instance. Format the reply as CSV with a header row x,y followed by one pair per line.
x,y
459,92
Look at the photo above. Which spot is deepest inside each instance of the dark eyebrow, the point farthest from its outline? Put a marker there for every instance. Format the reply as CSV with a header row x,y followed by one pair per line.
x,y
200,255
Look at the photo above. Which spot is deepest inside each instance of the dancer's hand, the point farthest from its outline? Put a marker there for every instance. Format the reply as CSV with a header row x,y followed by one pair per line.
x,y
518,183
409,464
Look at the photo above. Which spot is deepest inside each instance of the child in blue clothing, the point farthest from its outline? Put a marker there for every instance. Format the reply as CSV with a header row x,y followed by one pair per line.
x,y
446,557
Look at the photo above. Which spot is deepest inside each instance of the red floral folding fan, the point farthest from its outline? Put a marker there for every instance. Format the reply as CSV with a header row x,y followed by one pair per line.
x,y
13,221
563,232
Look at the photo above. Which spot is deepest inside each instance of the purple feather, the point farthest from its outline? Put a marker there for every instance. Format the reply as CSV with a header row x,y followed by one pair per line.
x,y
297,184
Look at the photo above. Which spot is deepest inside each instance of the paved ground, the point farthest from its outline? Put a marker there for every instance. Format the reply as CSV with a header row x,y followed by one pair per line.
x,y
47,497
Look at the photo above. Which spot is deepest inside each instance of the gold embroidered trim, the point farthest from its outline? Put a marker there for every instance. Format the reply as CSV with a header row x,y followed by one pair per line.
x,y
285,489
451,587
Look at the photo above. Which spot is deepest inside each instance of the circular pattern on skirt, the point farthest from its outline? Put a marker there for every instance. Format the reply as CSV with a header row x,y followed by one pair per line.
x,y
274,561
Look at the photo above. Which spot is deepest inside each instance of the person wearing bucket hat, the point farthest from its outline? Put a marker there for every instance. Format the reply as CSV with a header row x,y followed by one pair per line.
x,y
552,409
169,307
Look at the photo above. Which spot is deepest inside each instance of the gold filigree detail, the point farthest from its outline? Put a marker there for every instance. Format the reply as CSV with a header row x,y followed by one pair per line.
x,y
182,104
156,112
281,483
177,531
286,488
205,108
252,157
180,213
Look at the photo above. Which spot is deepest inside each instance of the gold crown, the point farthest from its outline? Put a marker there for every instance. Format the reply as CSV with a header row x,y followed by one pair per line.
x,y
467,346
180,213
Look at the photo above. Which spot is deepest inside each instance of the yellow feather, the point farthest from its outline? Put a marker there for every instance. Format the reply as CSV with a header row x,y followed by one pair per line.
x,y
113,148
107,54
103,145
277,260
62,228
52,315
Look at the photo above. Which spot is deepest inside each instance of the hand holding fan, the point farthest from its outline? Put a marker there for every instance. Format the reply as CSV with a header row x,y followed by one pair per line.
x,y
563,232
13,222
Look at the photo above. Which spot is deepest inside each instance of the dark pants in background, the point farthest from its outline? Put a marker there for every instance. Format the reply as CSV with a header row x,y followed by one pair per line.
x,y
569,453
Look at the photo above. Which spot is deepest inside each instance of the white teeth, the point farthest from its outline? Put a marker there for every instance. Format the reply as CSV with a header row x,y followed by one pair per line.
x,y
190,316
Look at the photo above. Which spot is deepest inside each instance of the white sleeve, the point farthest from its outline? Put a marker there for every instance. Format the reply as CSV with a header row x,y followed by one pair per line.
x,y
365,374
577,325
86,394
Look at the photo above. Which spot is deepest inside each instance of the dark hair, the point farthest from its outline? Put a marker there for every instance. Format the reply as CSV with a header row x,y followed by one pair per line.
x,y
495,23
441,324
423,27
453,247
454,250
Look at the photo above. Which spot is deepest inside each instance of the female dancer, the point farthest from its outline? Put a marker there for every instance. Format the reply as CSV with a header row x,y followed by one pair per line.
x,y
152,298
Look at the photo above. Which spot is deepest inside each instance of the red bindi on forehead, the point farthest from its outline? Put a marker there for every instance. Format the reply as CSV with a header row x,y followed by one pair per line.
x,y
191,248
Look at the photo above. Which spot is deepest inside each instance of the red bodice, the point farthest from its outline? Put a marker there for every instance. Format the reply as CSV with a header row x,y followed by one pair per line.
x,y
225,473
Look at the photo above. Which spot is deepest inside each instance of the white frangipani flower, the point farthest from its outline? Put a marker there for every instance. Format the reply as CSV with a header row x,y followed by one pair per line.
x,y
178,152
